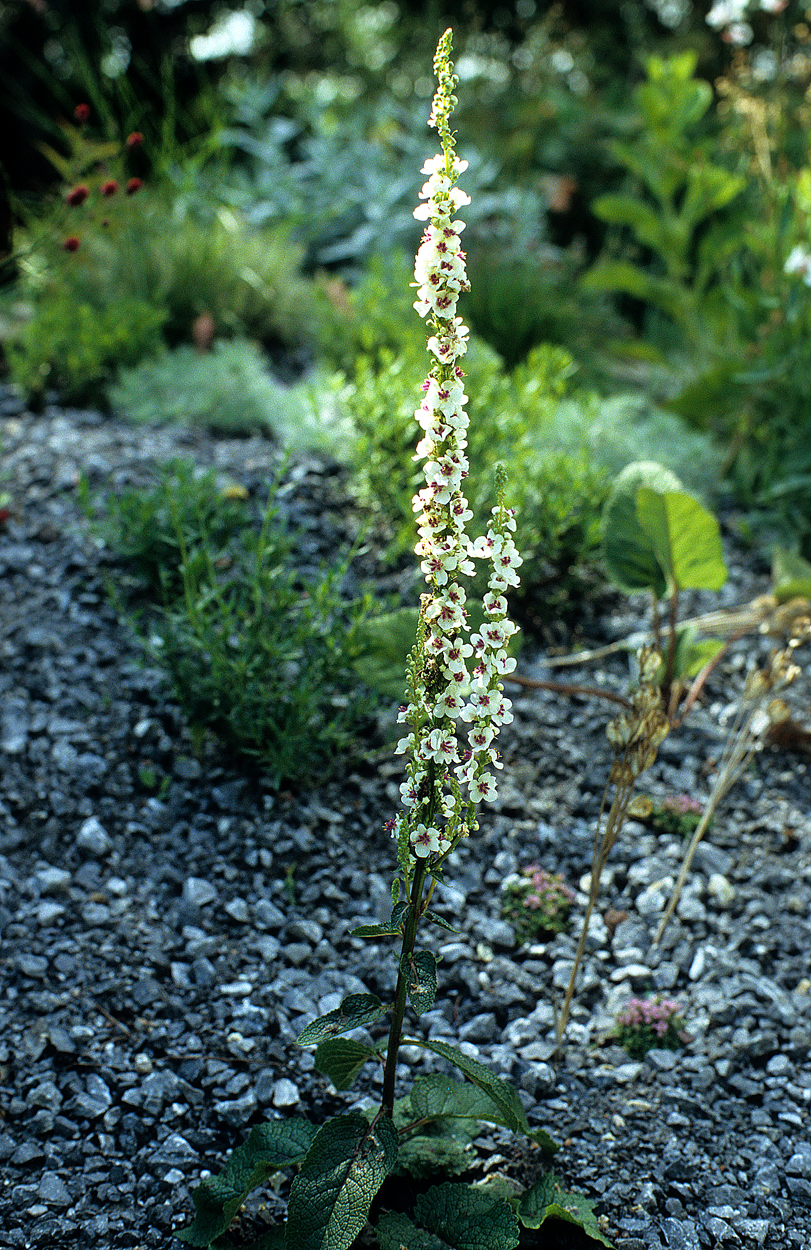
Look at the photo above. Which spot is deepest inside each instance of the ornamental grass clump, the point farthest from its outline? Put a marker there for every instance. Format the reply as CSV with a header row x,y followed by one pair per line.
x,y
650,1024
455,710
537,903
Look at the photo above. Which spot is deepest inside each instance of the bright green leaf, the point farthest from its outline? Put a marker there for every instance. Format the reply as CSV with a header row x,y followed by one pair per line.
x,y
277,1144
791,575
331,1195
692,653
684,537
354,1011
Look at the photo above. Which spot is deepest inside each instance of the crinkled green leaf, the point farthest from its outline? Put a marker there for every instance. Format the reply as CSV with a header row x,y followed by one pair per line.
x,y
684,537
534,1201
331,1194
376,930
439,1097
392,928
628,551
465,1218
545,1201
575,1209
355,1010
277,1144
501,1093
341,1059
434,1157
396,1231
420,970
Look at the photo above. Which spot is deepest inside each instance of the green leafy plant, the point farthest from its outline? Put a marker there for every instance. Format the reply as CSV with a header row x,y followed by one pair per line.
x,y
650,1024
76,348
658,538
228,390
343,1165
536,903
255,652
675,212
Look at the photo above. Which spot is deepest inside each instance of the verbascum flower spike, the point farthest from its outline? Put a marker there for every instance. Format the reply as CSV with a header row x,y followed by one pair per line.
x,y
453,676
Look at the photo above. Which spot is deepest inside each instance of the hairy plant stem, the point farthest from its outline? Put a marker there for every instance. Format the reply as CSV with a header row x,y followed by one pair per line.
x,y
396,1030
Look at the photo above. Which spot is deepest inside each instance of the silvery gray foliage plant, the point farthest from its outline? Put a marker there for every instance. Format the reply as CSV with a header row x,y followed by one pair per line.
x,y
455,711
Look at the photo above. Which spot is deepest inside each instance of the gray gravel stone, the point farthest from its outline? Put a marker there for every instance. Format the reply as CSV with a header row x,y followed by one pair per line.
x,y
124,967
93,838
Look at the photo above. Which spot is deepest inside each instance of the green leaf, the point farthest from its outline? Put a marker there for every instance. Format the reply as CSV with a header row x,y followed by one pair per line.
x,y
627,210
355,1010
685,539
545,1200
791,575
420,970
464,1218
501,1093
341,1059
397,1232
439,920
434,1158
692,653
273,1239
390,929
618,275
277,1144
534,1201
628,551
331,1195
376,930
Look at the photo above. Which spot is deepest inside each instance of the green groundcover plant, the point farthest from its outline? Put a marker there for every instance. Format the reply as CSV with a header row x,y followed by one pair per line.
x,y
455,710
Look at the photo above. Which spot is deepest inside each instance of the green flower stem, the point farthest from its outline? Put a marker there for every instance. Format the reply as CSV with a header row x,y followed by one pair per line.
x,y
396,1030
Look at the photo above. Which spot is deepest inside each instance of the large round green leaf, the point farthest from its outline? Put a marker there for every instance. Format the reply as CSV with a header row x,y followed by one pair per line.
x,y
628,550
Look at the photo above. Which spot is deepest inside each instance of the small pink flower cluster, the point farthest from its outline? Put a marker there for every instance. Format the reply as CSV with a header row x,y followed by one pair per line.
x,y
646,1023
445,690
681,804
548,891
657,1012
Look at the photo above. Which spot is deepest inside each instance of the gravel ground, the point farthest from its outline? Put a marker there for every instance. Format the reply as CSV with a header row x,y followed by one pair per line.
x,y
161,952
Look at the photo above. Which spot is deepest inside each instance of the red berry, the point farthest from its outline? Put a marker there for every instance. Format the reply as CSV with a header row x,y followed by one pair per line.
x,y
77,195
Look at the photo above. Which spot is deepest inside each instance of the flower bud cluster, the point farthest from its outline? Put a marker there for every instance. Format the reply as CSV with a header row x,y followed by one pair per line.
x,y
455,675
